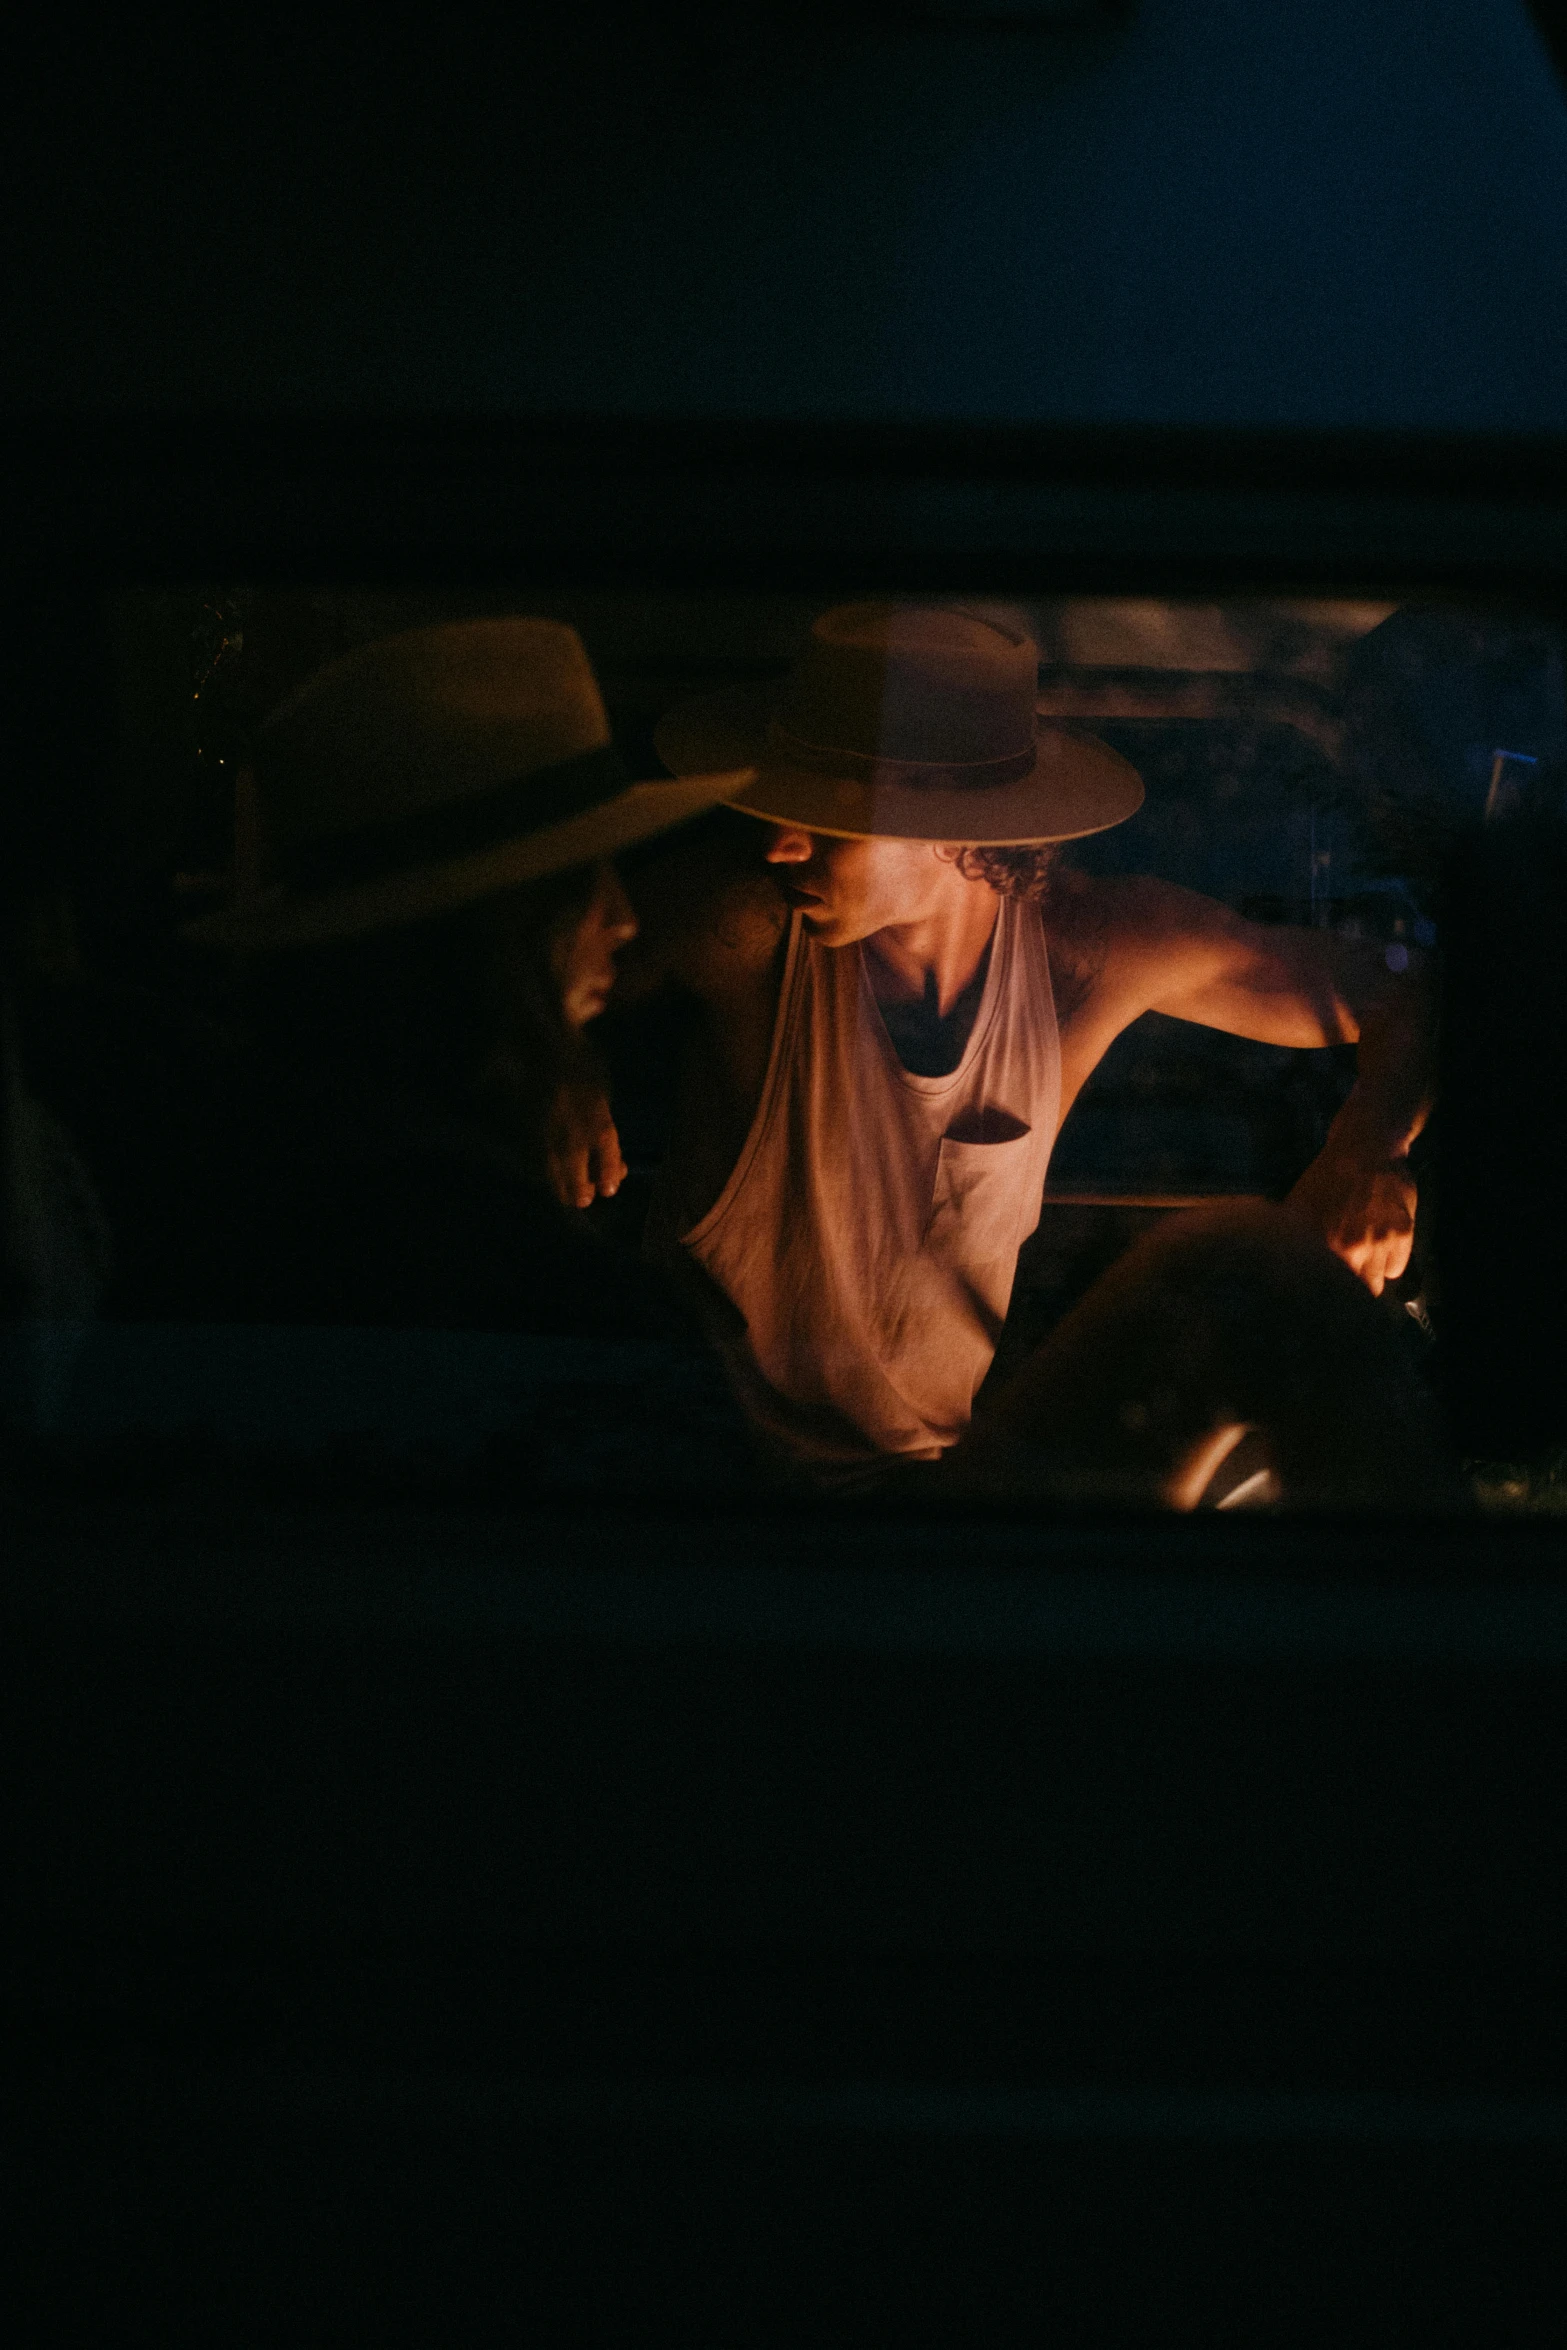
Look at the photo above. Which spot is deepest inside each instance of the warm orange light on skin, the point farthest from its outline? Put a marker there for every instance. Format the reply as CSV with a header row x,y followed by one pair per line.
x,y
582,1148
583,958
907,900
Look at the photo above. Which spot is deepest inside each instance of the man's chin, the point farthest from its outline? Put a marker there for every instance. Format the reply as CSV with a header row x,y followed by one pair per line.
x,y
827,924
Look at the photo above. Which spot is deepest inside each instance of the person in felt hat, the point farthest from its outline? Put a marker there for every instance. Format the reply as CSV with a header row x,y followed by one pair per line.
x,y
889,1033
439,811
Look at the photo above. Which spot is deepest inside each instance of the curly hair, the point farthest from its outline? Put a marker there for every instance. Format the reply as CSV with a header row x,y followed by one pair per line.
x,y
1013,873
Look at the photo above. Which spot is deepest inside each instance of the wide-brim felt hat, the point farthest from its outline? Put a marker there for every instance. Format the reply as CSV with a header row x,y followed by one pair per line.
x,y
430,769
906,723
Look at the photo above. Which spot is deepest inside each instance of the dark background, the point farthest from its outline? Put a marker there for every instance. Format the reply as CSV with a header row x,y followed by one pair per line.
x,y
1239,213
993,1930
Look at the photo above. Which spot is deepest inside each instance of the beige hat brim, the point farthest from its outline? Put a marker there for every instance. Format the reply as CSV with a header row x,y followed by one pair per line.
x,y
1077,784
280,918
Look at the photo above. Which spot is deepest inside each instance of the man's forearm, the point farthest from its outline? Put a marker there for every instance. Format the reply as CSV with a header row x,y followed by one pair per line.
x,y
1395,1072
1357,1193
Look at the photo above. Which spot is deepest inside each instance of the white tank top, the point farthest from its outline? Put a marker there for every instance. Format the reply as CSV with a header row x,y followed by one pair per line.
x,y
860,1258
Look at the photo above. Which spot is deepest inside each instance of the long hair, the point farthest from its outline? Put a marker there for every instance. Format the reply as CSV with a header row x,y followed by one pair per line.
x,y
461,1012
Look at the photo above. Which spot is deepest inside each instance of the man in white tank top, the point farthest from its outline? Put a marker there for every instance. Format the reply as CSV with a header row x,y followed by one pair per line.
x,y
879,1065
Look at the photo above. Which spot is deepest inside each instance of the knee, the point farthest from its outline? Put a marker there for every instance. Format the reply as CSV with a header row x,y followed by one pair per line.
x,y
1246,1283
1252,1245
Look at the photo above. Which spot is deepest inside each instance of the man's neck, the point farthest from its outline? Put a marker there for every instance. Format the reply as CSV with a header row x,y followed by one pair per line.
x,y
936,955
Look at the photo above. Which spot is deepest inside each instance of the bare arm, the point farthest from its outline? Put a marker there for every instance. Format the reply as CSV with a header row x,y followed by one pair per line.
x,y
1128,947
712,929
1358,1191
709,924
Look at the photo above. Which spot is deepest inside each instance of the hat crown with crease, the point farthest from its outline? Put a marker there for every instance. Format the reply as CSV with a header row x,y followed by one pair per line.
x,y
427,770
926,687
906,723
426,719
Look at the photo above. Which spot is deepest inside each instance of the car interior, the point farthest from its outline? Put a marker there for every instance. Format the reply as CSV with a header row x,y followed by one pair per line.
x,y
468,1878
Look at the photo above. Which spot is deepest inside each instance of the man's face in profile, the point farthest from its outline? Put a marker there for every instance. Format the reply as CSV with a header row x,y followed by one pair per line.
x,y
848,889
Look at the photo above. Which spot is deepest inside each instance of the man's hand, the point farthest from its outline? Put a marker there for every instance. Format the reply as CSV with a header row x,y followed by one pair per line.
x,y
583,1148
1365,1211
1125,946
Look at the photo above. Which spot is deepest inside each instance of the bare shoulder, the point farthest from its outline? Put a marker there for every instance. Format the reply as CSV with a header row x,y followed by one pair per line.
x,y
1123,946
710,921
713,931
1127,909
1108,933
1128,927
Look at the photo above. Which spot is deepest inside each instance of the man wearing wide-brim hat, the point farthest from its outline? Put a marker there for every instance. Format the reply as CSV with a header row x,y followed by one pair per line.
x,y
896,1013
